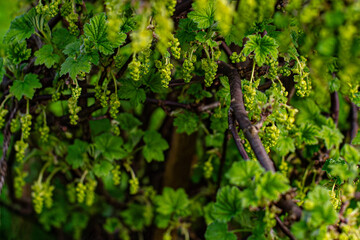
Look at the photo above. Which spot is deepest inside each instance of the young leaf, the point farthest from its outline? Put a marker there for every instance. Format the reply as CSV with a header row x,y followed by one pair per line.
x,y
131,90
171,201
110,146
271,185
228,204
77,153
262,47
61,38
75,66
217,231
26,87
285,145
203,15
332,136
308,133
45,55
103,168
241,173
96,33
155,145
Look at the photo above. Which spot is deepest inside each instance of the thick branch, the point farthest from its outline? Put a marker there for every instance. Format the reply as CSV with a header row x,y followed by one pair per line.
x,y
236,136
237,104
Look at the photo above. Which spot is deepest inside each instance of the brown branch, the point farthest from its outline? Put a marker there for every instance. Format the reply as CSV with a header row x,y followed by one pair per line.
x,y
284,229
182,7
335,107
354,121
237,104
236,137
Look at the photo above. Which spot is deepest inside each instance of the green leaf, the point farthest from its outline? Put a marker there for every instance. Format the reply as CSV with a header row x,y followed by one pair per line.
x,y
172,202
271,185
319,207
262,47
332,136
186,122
18,52
61,38
45,55
131,90
351,154
109,146
203,15
21,28
155,145
75,66
96,33
241,173
103,168
228,204
308,133
27,87
285,145
127,121
356,140
217,231
111,225
77,153
186,30
137,216
73,49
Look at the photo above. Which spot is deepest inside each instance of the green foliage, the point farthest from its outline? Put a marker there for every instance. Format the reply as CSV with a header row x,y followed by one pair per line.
x,y
25,87
119,116
262,47
46,56
155,145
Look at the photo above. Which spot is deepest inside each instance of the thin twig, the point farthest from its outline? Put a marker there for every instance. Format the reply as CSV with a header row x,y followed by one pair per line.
x,y
236,137
284,228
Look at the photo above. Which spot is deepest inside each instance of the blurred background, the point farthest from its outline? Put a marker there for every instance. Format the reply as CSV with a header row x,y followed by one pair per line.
x,y
9,9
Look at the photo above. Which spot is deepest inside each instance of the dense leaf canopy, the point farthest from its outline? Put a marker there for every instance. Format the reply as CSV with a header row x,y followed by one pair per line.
x,y
187,119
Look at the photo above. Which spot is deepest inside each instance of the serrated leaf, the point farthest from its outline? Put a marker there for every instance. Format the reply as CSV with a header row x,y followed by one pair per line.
x,y
127,121
75,66
21,28
351,154
171,201
26,87
18,52
186,122
77,153
155,146
186,30
262,47
217,231
102,169
308,134
203,15
131,90
332,136
109,146
319,207
285,145
72,49
241,173
61,38
271,185
45,55
96,33
228,204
